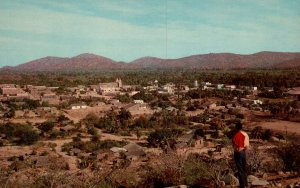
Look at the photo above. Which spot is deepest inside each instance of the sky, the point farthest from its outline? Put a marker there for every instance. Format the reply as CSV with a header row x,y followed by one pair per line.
x,y
124,30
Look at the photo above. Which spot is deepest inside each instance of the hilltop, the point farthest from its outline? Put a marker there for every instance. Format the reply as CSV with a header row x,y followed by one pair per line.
x,y
91,62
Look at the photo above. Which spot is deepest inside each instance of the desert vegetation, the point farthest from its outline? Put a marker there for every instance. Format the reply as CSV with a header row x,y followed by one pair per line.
x,y
148,132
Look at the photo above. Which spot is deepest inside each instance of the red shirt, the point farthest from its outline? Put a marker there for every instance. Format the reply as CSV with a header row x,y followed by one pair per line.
x,y
240,141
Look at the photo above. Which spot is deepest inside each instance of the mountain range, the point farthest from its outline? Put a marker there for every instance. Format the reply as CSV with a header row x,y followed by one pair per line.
x,y
92,62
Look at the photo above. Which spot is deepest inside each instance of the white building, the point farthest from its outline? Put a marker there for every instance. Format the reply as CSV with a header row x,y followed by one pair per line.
x,y
196,83
231,87
257,102
78,106
138,101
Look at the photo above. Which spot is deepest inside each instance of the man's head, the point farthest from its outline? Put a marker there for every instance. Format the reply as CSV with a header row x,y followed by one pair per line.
x,y
238,126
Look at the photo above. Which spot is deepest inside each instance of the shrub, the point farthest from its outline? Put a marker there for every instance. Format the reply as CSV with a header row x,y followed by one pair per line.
x,y
28,137
163,137
199,132
20,134
255,159
46,126
202,171
289,154
267,134
167,172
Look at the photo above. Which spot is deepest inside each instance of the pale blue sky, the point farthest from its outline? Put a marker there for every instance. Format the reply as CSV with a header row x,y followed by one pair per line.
x,y
128,29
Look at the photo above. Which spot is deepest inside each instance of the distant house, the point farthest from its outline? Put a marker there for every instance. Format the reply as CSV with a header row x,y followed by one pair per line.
x,y
138,101
133,93
231,87
257,101
110,87
295,92
7,85
51,98
38,91
184,141
12,92
167,89
78,106
220,86
206,83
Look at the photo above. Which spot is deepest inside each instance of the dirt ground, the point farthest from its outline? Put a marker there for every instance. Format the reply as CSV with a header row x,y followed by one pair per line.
x,y
279,125
77,115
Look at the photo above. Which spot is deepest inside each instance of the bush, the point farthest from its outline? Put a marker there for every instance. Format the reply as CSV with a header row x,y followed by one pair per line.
x,y
46,126
163,137
201,171
267,134
167,172
199,132
289,154
28,136
19,133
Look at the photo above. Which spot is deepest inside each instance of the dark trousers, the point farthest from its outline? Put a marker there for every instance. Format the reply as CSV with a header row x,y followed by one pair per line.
x,y
240,161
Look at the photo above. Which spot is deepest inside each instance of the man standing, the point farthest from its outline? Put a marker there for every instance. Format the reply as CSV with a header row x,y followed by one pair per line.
x,y
240,144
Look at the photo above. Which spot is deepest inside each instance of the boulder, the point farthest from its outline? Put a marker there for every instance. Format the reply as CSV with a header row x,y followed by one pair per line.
x,y
117,149
231,180
278,185
259,183
134,150
75,151
252,178
280,173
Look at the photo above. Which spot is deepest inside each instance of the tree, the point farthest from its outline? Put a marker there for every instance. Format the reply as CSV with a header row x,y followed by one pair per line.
x,y
141,122
109,122
163,138
28,136
90,119
61,118
46,126
30,104
124,98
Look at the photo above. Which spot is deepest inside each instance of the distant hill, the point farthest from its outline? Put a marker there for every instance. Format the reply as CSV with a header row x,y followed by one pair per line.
x,y
92,62
294,63
220,61
82,62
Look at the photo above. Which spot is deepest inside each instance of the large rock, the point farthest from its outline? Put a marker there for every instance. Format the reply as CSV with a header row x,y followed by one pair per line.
x,y
231,180
117,149
252,178
259,183
134,150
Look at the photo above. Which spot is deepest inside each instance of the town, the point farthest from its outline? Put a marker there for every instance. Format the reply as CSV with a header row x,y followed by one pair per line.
x,y
151,135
